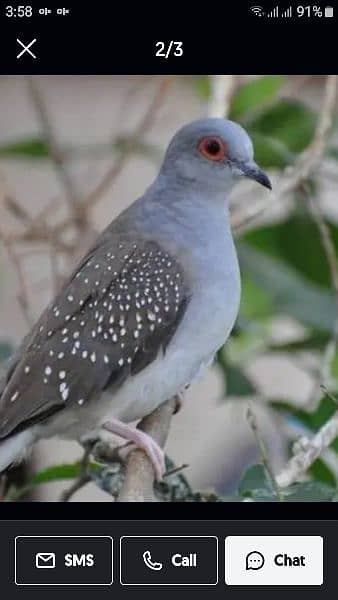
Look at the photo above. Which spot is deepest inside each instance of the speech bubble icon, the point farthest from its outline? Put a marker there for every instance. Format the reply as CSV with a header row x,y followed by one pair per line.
x,y
254,560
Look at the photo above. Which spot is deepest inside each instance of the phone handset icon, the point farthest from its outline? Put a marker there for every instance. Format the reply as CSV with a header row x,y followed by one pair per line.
x,y
155,566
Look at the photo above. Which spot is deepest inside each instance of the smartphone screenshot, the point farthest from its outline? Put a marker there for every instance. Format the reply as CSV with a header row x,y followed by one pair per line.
x,y
168,300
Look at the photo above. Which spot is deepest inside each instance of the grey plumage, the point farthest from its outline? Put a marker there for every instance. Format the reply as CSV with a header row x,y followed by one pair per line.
x,y
107,323
147,307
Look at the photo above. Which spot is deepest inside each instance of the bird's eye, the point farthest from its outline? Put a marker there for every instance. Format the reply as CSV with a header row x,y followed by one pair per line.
x,y
213,148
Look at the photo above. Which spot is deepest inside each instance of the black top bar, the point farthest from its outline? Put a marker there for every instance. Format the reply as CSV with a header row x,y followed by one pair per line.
x,y
99,38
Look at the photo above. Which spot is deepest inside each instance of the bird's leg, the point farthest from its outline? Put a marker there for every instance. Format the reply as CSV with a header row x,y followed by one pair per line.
x,y
142,440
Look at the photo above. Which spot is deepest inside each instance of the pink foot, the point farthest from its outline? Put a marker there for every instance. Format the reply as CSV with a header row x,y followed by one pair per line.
x,y
143,441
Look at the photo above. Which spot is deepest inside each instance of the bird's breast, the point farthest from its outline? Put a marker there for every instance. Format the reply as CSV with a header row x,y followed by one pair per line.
x,y
205,327
214,302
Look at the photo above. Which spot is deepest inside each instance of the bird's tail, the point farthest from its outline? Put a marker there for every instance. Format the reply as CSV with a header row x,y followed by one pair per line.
x,y
13,448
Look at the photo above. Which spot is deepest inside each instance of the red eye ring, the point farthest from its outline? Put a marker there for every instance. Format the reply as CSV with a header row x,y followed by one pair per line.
x,y
213,148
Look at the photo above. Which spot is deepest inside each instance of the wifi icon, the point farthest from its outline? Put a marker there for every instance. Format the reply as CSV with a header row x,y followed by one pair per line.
x,y
257,10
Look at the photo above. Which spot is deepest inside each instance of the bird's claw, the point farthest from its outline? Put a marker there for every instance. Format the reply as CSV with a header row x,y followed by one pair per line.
x,y
140,439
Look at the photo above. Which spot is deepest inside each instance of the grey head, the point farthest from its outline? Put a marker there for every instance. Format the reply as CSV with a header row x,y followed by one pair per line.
x,y
212,154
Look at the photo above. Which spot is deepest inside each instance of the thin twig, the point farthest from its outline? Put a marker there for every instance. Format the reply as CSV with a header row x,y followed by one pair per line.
x,y
328,394
331,257
305,165
75,487
22,295
37,230
308,452
18,211
53,147
310,158
175,470
145,124
296,433
82,480
251,417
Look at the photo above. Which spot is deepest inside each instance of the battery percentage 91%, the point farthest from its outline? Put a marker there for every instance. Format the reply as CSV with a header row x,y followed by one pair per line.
x,y
309,11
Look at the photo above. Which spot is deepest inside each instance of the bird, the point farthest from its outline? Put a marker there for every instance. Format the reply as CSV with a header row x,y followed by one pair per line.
x,y
144,312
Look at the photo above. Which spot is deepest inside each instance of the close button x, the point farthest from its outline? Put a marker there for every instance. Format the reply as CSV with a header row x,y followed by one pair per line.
x,y
26,48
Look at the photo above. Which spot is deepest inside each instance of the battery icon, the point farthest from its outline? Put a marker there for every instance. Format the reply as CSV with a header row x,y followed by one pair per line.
x,y
328,11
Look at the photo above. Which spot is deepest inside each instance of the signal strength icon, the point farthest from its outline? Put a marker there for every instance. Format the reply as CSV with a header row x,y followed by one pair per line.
x,y
288,12
257,10
274,12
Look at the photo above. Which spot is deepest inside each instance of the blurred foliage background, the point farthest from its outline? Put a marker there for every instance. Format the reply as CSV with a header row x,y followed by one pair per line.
x,y
289,301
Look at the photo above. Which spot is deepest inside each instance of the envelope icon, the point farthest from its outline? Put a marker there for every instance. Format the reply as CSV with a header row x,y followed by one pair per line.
x,y
45,560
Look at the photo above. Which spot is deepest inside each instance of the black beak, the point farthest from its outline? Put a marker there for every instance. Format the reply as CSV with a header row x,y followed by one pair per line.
x,y
252,171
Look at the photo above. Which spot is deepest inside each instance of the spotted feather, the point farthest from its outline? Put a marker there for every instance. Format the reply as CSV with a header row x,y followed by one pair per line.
x,y
110,320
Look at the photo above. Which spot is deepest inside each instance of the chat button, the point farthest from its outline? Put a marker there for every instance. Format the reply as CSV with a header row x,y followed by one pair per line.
x,y
254,561
274,560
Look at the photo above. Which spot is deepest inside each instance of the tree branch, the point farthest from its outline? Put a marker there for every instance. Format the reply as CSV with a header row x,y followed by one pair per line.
x,y
138,485
308,452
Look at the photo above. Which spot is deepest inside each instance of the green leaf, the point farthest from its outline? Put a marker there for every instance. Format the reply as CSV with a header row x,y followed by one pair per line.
x,y
307,255
322,473
56,473
334,366
254,479
309,491
256,302
290,293
249,97
313,341
255,484
32,147
316,419
289,122
252,338
333,153
255,94
202,86
237,383
5,350
49,475
312,420
270,152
